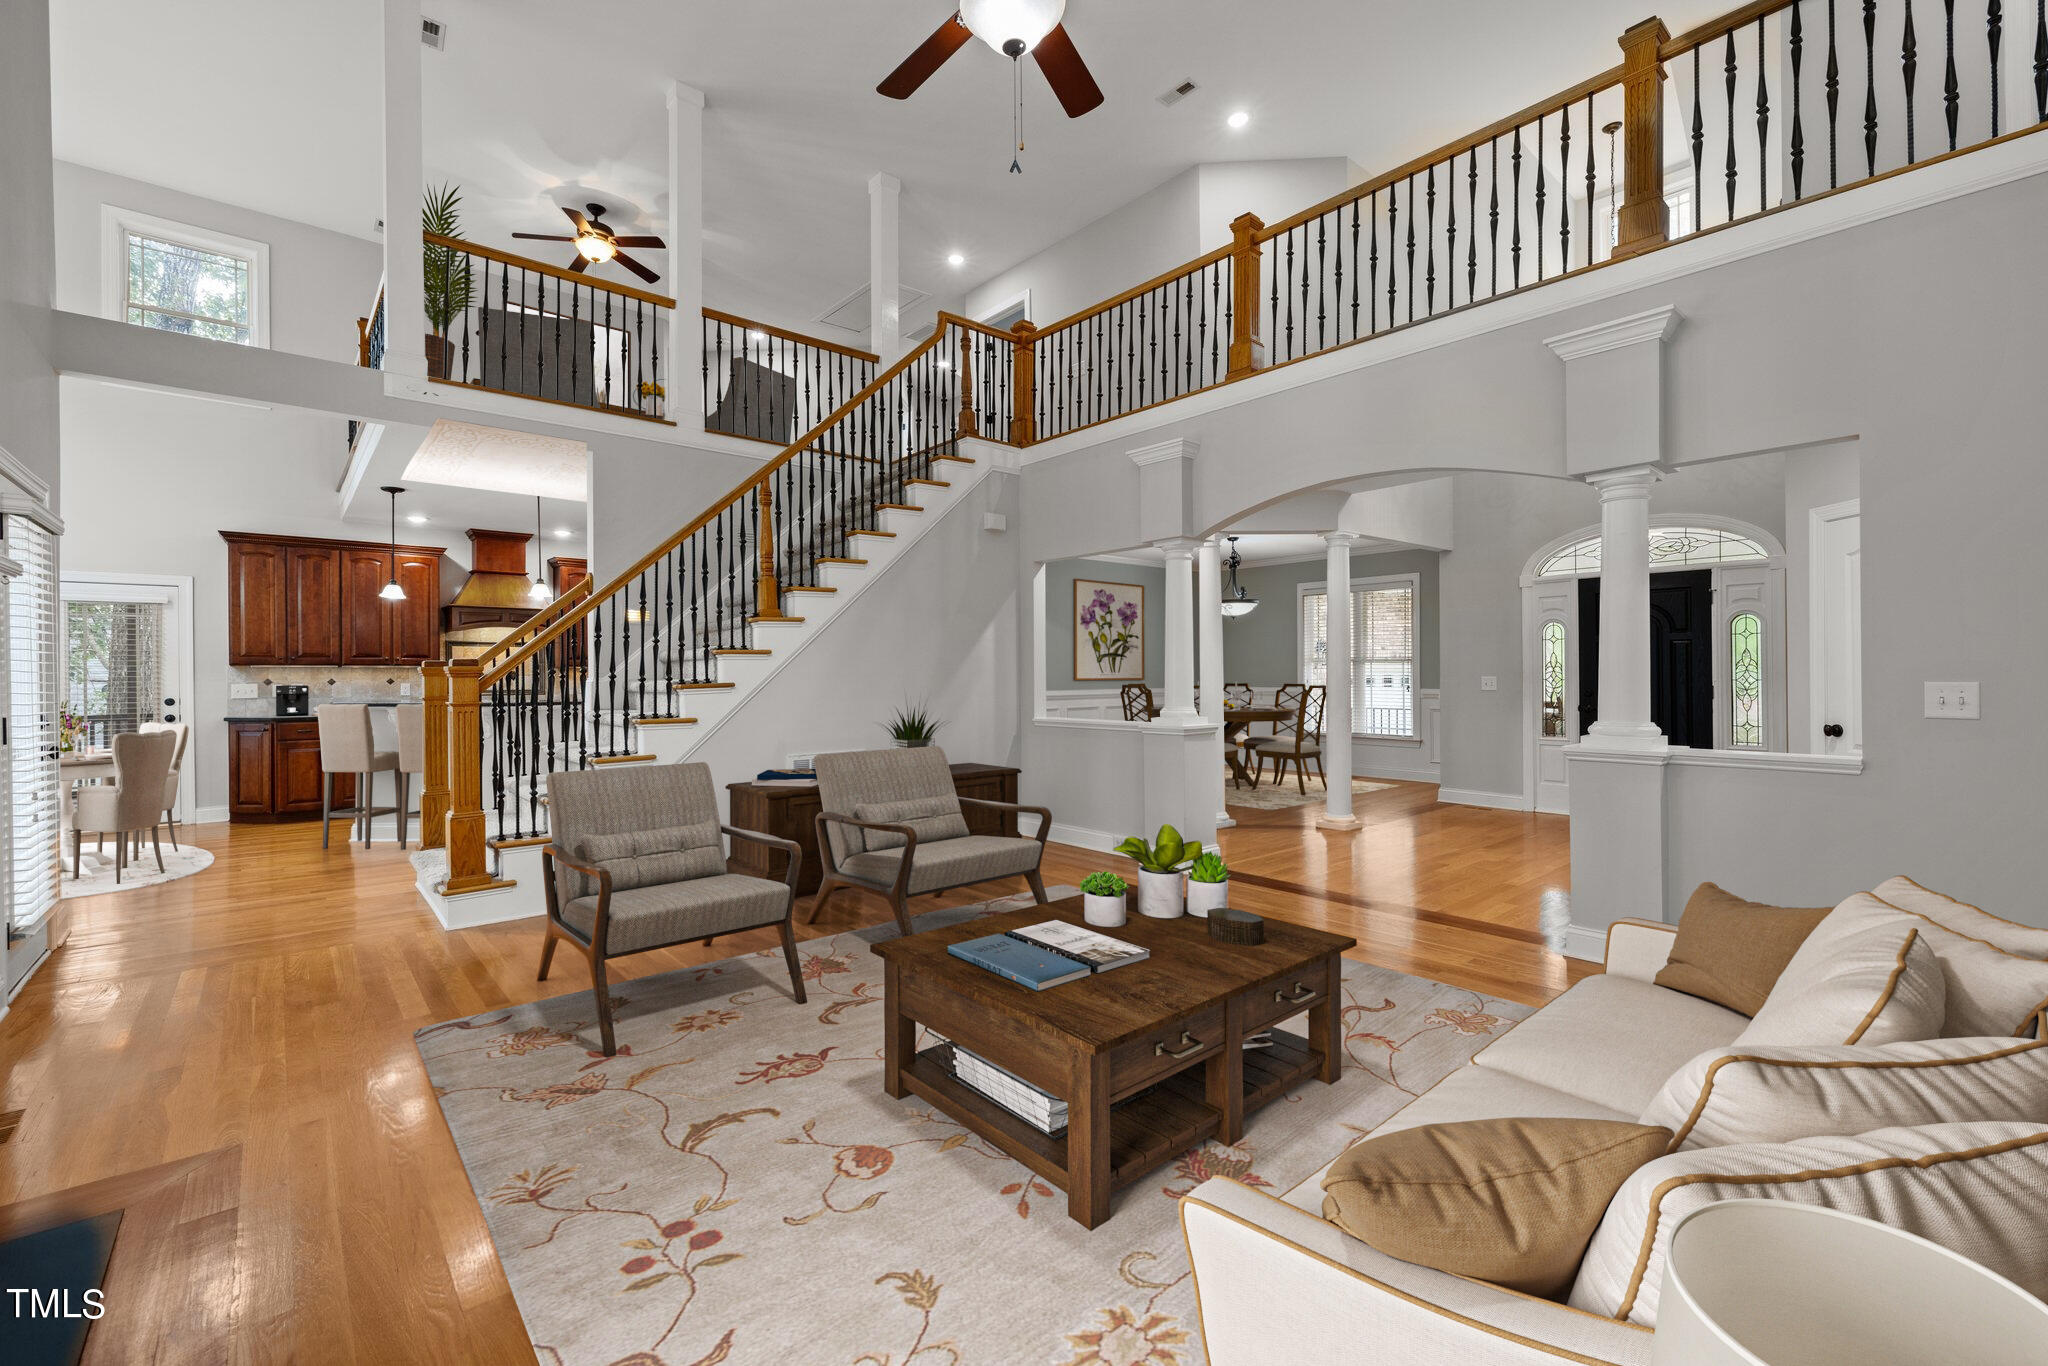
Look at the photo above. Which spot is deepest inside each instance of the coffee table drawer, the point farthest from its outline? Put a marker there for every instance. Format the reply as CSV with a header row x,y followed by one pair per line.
x,y
1164,1051
1271,1002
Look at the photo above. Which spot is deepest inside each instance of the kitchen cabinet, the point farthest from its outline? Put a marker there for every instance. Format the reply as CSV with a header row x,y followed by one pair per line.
x,y
274,771
298,600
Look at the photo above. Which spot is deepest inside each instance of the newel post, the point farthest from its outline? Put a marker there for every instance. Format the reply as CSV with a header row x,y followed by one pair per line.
x,y
434,729
1247,352
967,425
468,853
1024,386
768,594
1644,220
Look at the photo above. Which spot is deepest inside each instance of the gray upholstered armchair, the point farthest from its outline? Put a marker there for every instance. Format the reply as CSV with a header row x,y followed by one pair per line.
x,y
636,863
892,824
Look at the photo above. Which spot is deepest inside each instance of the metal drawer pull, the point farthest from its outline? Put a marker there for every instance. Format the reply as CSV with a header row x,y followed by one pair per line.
x,y
1194,1046
1301,994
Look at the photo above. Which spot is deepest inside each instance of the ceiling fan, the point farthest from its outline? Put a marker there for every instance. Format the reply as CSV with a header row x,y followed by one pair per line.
x,y
596,243
1013,28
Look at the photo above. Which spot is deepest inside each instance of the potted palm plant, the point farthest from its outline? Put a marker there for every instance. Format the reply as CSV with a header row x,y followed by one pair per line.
x,y
1208,885
1160,865
1102,899
912,727
449,286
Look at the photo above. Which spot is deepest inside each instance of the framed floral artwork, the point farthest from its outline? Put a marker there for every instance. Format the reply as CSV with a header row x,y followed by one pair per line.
x,y
1109,632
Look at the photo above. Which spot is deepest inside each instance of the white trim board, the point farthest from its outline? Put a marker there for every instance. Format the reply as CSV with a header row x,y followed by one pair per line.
x,y
1465,796
1586,943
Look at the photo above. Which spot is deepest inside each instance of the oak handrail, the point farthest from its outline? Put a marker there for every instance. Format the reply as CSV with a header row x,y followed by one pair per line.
x,y
543,268
720,315
1221,253
562,624
539,619
1716,28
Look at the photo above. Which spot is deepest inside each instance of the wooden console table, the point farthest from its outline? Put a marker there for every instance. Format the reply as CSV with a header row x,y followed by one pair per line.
x,y
788,811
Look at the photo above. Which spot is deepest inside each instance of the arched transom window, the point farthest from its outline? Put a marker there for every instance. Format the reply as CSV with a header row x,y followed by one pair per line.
x,y
1670,547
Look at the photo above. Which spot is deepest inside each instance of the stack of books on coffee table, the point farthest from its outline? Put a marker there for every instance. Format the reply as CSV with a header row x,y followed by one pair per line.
x,y
1042,1110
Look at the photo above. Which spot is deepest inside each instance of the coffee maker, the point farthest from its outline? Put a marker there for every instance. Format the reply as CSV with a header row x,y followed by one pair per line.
x,y
294,699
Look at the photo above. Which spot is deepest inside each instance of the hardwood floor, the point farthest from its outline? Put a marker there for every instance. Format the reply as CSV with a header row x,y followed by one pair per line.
x,y
259,1016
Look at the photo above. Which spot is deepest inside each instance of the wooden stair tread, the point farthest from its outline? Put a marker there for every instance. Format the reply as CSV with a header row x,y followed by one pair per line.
x,y
930,483
686,687
890,534
623,759
807,588
899,507
770,621
664,720
742,652
527,843
957,459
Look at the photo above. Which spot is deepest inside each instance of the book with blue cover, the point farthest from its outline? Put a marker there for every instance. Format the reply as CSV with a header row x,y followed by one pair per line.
x,y
1025,964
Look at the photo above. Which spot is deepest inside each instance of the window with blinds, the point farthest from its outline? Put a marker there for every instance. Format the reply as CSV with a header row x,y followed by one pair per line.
x,y
113,666
1382,653
34,699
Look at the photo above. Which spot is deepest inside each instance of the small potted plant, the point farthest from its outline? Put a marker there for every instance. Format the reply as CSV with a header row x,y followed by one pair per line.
x,y
1208,885
1102,899
912,727
1160,864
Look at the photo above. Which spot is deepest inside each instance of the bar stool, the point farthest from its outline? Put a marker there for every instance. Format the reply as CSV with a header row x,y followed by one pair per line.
x,y
412,758
346,746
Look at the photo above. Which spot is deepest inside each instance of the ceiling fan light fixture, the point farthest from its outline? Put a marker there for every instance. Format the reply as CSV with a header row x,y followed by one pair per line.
x,y
1012,27
595,247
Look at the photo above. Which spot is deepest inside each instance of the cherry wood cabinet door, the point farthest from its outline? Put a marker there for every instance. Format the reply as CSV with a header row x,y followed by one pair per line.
x,y
313,605
249,770
365,617
415,624
256,603
297,771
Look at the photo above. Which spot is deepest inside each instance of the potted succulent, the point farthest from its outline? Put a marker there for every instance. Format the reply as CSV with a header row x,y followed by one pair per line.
x,y
1160,865
912,727
449,288
1208,885
1102,899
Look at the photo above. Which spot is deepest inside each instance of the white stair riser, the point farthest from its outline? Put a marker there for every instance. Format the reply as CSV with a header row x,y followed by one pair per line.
x,y
902,523
744,670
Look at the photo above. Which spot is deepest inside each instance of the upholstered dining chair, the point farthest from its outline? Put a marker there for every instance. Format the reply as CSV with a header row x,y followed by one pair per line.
x,y
348,746
134,802
184,734
1286,698
412,758
1137,700
635,863
892,823
1297,740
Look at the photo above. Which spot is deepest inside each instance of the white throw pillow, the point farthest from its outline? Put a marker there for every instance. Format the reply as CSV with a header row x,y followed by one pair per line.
x,y
1777,1095
1973,1188
1852,983
1987,990
1963,918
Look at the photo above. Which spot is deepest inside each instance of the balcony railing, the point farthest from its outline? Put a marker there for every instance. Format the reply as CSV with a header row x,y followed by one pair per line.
x,y
767,384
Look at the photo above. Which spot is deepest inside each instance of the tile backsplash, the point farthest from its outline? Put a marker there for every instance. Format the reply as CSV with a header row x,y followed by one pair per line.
x,y
325,682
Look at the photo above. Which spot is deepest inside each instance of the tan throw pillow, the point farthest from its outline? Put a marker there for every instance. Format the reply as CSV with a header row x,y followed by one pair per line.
x,y
1852,983
654,858
1510,1201
1730,951
1778,1095
2025,940
1973,1188
933,818
1989,991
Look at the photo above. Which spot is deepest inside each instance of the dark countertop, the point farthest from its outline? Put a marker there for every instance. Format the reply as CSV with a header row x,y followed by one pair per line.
x,y
261,719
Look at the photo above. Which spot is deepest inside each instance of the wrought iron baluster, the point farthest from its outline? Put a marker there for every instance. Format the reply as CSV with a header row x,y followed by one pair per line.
x,y
1698,138
1994,34
1493,214
1354,268
1729,172
2041,61
1592,174
1798,129
1870,86
1515,197
1429,241
1834,97
1393,244
1372,284
1472,218
1411,248
1564,194
1951,95
1763,123
1540,194
1289,353
1322,274
1909,63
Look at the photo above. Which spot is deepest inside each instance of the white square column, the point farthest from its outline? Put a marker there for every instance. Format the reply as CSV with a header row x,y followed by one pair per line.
x,y
405,284
684,380
1337,676
1624,721
1180,633
1209,647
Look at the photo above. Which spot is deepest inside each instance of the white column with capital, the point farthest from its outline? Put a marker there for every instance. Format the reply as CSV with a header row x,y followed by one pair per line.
x,y
1337,674
1179,633
1209,644
1624,697
683,381
405,286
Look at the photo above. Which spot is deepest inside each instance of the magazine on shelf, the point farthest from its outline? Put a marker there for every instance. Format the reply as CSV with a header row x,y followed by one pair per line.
x,y
1098,951
1040,1109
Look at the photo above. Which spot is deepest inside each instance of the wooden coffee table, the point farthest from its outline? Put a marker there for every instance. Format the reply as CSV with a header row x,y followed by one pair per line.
x,y
1149,1058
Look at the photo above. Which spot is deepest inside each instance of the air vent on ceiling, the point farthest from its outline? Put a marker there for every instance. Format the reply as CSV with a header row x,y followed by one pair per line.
x,y
433,34
1178,93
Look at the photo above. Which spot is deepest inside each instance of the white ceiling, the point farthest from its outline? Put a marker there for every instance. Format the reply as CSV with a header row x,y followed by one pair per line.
x,y
534,103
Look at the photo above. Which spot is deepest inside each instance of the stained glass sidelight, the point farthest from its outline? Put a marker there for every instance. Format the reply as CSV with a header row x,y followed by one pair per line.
x,y
1746,672
1553,680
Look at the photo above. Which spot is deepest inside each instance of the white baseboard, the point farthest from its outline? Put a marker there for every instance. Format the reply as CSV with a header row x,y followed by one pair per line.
x,y
1586,942
1465,796
210,815
1099,840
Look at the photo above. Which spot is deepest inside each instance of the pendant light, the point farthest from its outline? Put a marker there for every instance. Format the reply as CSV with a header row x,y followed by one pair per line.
x,y
539,591
391,592
1237,602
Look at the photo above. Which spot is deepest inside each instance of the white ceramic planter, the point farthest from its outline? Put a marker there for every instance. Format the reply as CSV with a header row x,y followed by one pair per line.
x,y
1107,912
1204,897
1160,895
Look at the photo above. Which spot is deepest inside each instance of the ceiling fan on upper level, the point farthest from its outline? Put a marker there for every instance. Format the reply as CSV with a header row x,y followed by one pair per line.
x,y
1013,28
596,243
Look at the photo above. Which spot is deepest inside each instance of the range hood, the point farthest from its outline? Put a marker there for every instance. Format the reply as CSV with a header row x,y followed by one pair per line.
x,y
494,601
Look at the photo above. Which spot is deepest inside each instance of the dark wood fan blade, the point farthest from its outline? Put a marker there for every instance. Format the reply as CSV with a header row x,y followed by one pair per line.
x,y
641,242
576,217
630,264
543,237
1066,73
578,265
931,54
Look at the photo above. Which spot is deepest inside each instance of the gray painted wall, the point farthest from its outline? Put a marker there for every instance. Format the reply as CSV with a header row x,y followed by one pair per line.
x,y
1059,620
1259,648
28,379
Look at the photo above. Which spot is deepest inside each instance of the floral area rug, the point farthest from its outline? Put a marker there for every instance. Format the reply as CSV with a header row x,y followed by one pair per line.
x,y
733,1186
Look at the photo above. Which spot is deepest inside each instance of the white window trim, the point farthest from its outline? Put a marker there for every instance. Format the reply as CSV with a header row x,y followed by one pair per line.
x,y
1413,583
115,225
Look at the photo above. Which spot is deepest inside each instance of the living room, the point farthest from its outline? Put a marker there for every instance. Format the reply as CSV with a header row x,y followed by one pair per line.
x,y
1523,734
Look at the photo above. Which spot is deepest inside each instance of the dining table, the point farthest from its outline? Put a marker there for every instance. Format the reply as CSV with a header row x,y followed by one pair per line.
x,y
1238,720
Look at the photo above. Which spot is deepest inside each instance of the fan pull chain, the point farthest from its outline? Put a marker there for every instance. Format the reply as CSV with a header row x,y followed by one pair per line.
x,y
1017,118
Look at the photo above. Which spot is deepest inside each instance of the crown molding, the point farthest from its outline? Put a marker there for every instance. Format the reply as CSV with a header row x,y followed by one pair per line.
x,y
1652,326
1179,448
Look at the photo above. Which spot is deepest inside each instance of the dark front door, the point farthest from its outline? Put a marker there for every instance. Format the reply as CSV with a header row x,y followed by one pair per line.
x,y
1681,656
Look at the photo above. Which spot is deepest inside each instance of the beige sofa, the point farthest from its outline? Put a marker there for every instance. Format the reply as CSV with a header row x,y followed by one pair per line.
x,y
1600,1051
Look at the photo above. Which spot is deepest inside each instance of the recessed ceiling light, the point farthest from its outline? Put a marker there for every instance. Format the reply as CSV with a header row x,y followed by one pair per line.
x,y
1239,119
416,518
956,259
563,533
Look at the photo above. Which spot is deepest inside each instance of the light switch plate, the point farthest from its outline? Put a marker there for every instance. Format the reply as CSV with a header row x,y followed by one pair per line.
x,y
405,690
800,762
1952,701
1488,683
242,691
